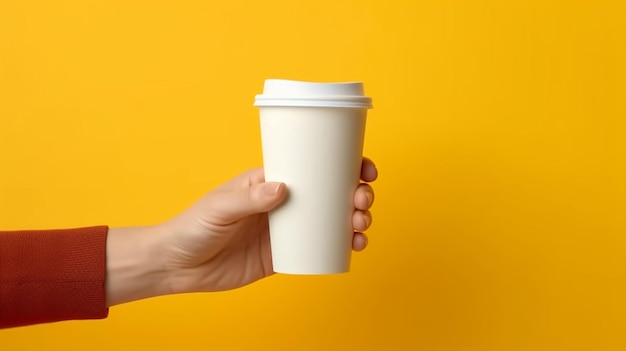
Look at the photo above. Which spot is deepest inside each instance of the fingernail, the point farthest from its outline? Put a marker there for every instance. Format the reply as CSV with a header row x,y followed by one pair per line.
x,y
271,189
370,199
368,221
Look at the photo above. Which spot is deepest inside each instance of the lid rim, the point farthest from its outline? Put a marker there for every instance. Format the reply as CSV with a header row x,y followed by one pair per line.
x,y
278,92
312,103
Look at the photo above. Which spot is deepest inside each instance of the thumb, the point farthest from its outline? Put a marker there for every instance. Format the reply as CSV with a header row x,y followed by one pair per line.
x,y
256,198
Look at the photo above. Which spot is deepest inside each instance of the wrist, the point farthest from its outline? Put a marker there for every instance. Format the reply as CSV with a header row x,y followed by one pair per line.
x,y
135,269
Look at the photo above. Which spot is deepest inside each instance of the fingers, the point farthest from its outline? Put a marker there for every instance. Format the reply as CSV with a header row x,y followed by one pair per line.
x,y
369,173
359,241
361,220
253,176
363,200
232,205
261,197
363,197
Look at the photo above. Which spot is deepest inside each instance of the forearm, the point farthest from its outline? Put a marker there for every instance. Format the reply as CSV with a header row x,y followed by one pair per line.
x,y
134,268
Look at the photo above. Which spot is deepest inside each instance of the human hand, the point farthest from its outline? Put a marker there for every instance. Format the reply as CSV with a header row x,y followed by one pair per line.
x,y
221,242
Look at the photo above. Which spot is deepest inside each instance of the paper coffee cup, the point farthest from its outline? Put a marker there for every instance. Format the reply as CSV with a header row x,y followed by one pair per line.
x,y
312,139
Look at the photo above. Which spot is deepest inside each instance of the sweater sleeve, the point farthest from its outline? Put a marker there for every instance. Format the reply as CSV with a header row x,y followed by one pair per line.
x,y
52,275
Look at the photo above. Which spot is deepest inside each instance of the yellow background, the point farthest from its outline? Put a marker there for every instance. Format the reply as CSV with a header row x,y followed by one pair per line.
x,y
498,130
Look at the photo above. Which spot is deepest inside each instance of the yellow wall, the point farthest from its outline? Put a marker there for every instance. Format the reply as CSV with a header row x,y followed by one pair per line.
x,y
498,129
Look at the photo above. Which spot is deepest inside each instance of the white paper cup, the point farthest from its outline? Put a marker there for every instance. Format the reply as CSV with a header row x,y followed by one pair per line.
x,y
312,139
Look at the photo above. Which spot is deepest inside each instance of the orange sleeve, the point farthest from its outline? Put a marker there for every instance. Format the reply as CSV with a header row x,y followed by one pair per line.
x,y
52,275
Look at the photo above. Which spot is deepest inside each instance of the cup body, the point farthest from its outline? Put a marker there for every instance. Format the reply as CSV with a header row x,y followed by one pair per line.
x,y
315,148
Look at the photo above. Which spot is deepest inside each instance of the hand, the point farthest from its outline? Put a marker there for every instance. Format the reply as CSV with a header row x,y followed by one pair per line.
x,y
222,241
219,243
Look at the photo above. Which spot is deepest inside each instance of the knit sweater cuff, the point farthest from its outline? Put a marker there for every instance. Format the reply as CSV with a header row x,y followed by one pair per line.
x,y
52,275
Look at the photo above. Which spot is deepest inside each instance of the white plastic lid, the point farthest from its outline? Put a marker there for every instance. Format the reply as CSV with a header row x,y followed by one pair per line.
x,y
280,92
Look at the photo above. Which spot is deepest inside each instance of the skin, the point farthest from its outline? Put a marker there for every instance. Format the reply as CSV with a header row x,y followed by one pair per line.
x,y
219,243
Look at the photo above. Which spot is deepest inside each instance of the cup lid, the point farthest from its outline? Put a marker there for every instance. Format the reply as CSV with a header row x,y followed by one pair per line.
x,y
281,92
